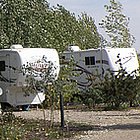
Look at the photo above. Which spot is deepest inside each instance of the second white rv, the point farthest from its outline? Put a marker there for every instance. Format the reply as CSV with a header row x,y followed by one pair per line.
x,y
97,62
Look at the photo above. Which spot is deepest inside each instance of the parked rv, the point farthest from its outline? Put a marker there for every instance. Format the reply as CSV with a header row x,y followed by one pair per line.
x,y
94,62
12,77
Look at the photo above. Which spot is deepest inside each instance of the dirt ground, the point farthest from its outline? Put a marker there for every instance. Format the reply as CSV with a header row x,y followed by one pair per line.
x,y
97,125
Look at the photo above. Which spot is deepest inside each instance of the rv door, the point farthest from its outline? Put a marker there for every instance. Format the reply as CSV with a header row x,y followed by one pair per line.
x,y
4,68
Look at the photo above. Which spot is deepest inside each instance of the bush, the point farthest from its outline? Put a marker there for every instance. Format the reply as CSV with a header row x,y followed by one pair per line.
x,y
120,88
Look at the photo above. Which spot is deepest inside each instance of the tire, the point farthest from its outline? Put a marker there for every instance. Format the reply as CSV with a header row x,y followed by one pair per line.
x,y
25,107
5,106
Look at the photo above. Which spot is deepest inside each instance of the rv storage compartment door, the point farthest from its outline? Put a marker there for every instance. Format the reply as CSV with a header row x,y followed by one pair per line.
x,y
14,68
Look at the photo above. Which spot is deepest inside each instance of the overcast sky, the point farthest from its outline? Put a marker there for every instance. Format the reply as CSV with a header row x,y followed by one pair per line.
x,y
95,9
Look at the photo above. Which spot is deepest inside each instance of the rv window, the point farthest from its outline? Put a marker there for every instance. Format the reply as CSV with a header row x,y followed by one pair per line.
x,y
98,61
2,65
105,62
87,61
90,60
63,57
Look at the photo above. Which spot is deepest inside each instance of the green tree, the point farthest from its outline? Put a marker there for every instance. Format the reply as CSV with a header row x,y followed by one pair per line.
x,y
64,83
21,22
116,26
88,34
35,24
65,30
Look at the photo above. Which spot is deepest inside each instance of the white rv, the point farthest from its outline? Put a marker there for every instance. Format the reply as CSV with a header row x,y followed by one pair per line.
x,y
94,62
12,77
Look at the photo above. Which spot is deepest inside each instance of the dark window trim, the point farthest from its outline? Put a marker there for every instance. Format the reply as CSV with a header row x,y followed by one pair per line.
x,y
90,60
2,65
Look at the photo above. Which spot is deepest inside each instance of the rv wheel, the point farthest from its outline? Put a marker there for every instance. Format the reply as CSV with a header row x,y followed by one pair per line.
x,y
25,107
5,106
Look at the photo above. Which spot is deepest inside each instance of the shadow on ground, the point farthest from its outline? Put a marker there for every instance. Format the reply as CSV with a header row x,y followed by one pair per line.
x,y
86,127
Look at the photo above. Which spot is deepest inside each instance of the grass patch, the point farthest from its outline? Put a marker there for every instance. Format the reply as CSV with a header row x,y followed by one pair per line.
x,y
114,108
13,128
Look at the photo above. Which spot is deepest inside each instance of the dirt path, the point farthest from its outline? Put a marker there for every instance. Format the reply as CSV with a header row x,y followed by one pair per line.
x,y
101,125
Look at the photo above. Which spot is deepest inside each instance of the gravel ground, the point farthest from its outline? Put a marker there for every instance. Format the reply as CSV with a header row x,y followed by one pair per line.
x,y
104,125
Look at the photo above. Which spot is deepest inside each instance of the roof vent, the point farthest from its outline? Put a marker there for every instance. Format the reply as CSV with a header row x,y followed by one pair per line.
x,y
73,48
16,46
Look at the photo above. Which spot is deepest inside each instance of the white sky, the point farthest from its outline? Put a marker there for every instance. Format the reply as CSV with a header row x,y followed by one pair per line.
x,y
95,9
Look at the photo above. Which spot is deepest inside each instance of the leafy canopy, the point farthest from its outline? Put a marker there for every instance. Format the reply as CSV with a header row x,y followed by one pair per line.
x,y
116,27
35,24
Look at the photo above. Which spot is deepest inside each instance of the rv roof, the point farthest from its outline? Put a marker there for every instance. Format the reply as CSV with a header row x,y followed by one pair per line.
x,y
82,50
107,49
17,46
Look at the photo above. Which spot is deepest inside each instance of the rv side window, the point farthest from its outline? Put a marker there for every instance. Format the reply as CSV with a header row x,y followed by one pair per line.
x,y
63,57
90,60
2,65
105,62
87,61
